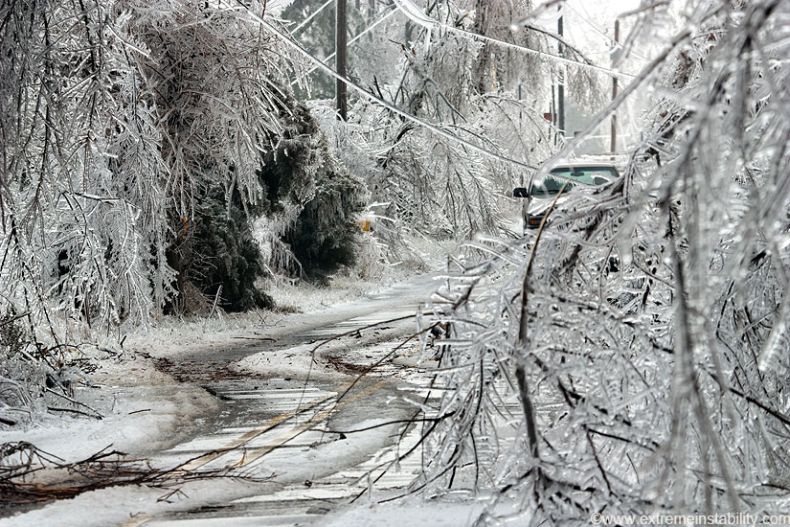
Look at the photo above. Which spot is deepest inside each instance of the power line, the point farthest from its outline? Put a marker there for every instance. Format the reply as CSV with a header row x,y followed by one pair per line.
x,y
416,16
610,40
351,84
309,18
352,41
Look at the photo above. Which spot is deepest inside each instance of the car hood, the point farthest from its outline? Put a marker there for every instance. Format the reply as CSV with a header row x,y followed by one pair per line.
x,y
539,205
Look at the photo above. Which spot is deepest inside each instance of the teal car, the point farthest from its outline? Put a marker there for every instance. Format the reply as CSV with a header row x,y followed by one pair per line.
x,y
561,180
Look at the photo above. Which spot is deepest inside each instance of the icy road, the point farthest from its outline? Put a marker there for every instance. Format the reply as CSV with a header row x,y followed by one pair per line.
x,y
305,415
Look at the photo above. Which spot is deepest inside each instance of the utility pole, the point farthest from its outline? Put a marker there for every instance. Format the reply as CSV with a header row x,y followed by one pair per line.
x,y
613,144
371,16
341,58
561,79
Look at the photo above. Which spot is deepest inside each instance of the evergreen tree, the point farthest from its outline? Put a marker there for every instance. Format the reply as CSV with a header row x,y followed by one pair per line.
x,y
299,172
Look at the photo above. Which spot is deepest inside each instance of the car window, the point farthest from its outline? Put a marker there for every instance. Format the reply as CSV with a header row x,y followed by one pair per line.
x,y
586,175
550,187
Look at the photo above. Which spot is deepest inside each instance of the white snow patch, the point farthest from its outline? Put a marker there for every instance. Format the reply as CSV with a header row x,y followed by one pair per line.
x,y
143,410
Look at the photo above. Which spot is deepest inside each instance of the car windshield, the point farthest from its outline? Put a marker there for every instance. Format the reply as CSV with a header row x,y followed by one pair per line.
x,y
591,176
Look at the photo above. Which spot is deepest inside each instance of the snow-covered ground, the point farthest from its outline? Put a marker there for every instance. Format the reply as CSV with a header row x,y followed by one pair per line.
x,y
147,411
188,387
143,410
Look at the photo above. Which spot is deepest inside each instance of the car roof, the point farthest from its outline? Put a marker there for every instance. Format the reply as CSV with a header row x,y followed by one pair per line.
x,y
588,175
579,166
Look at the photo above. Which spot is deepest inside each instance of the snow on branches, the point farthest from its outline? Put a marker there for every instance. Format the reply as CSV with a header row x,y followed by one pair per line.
x,y
117,117
630,356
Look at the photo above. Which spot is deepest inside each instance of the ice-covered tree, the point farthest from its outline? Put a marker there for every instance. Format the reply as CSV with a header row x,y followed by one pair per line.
x,y
219,94
134,140
629,358
465,69
84,184
134,137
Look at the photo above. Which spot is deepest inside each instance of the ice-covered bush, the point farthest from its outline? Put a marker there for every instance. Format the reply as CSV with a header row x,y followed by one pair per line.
x,y
325,235
311,200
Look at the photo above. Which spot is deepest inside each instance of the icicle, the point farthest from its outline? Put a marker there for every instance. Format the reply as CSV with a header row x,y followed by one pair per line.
x,y
774,342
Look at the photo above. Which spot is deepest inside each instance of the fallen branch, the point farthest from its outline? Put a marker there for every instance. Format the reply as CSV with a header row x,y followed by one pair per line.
x,y
72,411
19,462
96,414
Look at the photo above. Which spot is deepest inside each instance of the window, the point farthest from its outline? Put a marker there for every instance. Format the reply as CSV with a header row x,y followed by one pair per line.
x,y
591,176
